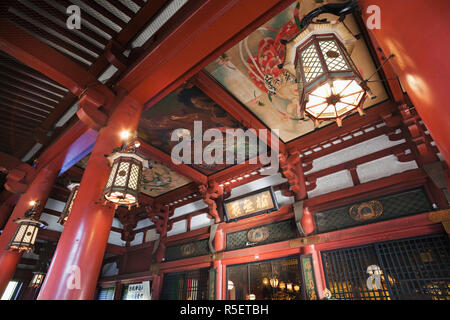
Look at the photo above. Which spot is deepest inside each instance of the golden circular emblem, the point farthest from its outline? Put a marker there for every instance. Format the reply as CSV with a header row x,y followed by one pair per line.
x,y
187,249
366,211
258,234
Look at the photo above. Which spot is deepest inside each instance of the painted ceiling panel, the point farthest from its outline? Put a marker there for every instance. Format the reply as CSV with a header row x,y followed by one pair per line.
x,y
242,70
179,110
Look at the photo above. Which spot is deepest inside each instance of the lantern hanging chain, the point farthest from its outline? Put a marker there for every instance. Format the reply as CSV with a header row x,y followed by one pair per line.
x,y
378,69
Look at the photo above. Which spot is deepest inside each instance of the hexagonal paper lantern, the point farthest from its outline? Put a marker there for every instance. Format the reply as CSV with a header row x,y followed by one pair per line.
x,y
329,84
124,182
68,207
25,235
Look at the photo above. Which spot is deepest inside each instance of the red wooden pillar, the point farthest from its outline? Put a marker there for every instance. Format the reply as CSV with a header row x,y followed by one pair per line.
x,y
219,245
415,32
320,281
7,208
77,261
39,189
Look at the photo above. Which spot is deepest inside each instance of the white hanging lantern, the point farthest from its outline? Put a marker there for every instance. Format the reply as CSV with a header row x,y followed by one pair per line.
x,y
329,84
27,230
124,181
68,207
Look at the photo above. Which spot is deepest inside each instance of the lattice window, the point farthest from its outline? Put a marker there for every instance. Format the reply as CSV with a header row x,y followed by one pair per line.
x,y
333,57
112,175
190,285
311,63
416,268
121,178
134,177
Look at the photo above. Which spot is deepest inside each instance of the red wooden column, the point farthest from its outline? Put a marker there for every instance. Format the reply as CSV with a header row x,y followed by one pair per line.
x,y
415,32
7,208
320,281
39,189
219,245
77,261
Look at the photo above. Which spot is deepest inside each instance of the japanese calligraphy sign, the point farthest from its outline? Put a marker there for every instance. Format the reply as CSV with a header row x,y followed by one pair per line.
x,y
309,281
261,201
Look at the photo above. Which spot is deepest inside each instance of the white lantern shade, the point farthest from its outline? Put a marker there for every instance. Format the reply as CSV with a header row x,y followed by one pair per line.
x,y
25,235
124,181
330,86
69,204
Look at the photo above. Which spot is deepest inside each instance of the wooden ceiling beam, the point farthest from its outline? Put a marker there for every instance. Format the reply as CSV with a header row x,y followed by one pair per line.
x,y
43,58
39,103
72,36
12,105
63,18
121,7
42,96
104,12
89,18
39,32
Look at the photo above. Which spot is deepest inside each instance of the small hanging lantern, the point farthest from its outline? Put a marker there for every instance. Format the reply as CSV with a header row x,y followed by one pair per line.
x,y
329,84
38,278
124,182
26,232
274,282
73,187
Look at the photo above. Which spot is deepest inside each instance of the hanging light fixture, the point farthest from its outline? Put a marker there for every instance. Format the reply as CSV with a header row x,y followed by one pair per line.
x,y
274,282
73,187
26,232
330,86
123,184
38,278
282,285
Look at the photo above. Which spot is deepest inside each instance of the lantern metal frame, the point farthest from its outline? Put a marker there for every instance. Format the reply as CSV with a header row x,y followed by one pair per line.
x,y
37,280
26,232
69,204
125,178
325,68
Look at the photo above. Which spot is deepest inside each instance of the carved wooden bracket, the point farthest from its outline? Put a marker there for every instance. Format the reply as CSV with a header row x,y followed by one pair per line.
x,y
391,120
19,174
114,54
91,104
419,138
160,216
210,193
129,220
291,168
